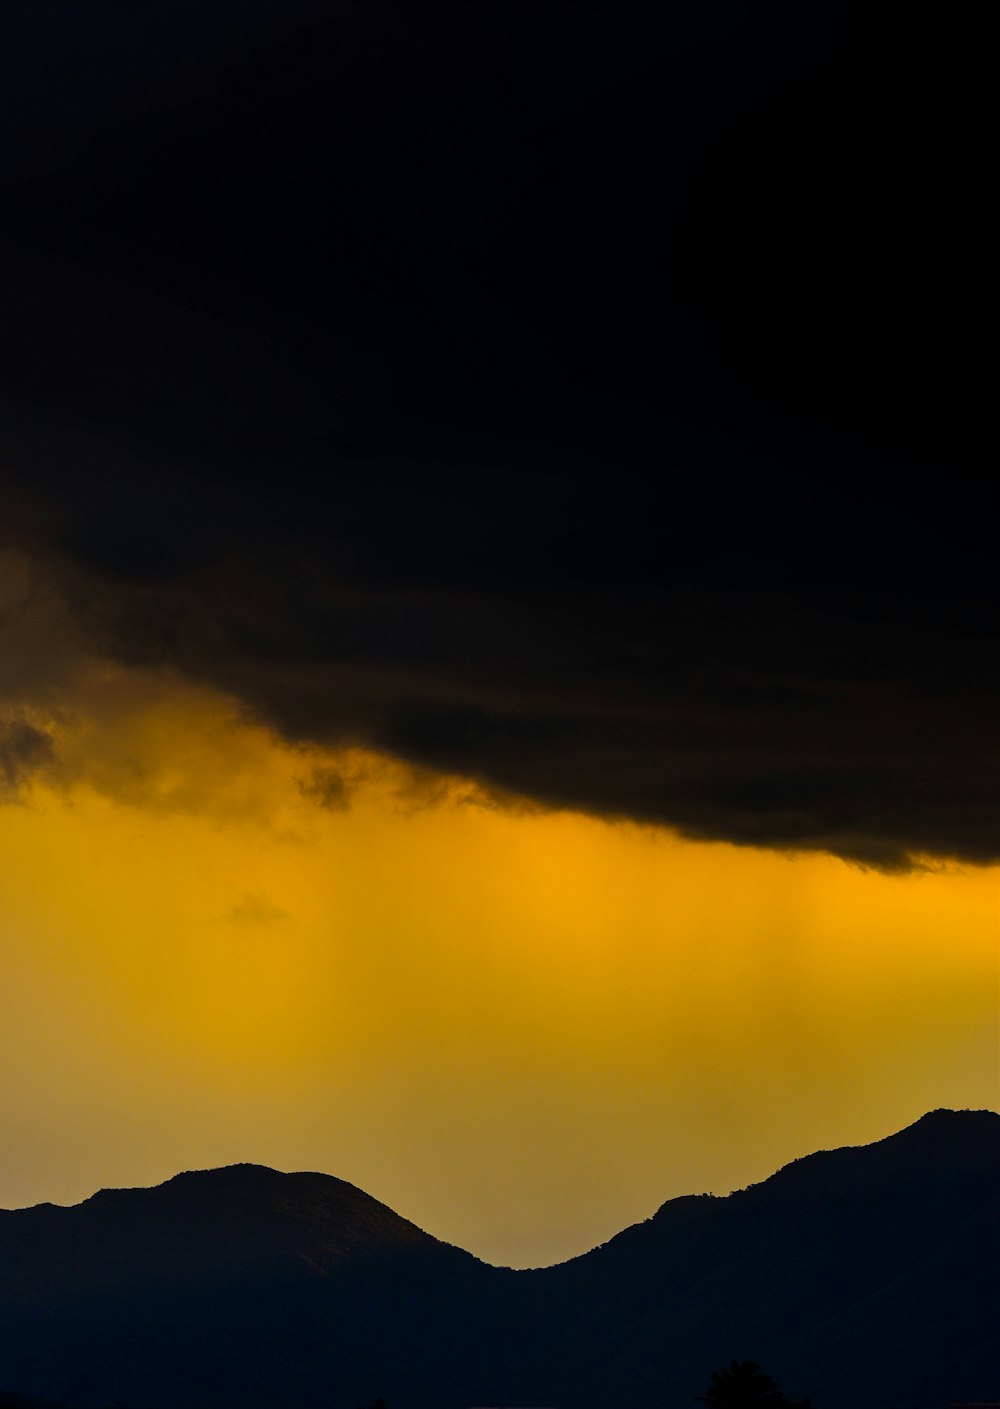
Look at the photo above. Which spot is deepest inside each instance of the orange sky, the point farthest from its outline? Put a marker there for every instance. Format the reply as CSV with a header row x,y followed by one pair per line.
x,y
523,1030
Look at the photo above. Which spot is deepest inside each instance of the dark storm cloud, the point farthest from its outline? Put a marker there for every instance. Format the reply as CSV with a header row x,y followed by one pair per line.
x,y
330,788
23,750
572,396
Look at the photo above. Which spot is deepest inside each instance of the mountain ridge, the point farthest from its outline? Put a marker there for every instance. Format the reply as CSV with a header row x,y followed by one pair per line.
x,y
242,1287
933,1124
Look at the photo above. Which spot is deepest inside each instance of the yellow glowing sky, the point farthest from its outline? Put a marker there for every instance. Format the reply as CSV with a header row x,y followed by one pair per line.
x,y
523,1030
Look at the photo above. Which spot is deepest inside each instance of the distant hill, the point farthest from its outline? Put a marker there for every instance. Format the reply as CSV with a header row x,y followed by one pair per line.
x,y
859,1276
230,1285
867,1278
202,1228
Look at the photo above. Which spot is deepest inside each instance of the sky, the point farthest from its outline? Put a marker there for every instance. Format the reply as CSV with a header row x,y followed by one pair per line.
x,y
497,622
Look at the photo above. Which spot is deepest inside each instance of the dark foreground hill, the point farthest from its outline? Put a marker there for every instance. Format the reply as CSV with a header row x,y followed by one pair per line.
x,y
868,1278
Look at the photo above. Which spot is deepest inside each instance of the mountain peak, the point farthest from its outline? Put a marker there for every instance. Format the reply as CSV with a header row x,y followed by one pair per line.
x,y
207,1226
243,1177
945,1120
941,1143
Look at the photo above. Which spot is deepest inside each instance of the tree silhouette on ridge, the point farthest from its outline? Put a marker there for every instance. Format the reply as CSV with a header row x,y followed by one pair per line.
x,y
742,1384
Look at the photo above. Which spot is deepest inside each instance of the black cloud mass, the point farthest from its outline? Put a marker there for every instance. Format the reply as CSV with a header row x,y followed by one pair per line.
x,y
584,398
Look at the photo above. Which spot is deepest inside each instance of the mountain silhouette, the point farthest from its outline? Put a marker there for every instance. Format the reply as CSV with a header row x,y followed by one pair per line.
x,y
200,1228
231,1284
862,1277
